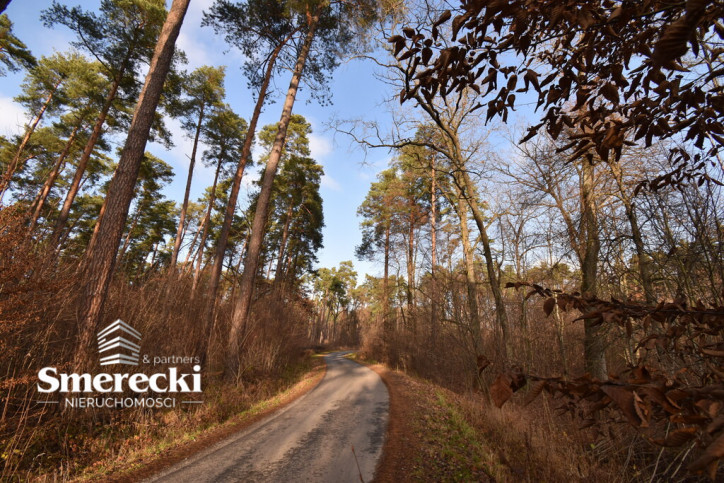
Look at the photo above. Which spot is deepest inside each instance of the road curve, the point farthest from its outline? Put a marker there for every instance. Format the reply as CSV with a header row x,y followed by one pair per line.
x,y
310,440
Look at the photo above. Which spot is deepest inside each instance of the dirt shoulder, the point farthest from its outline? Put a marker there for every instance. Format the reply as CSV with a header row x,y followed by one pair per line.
x,y
153,464
427,438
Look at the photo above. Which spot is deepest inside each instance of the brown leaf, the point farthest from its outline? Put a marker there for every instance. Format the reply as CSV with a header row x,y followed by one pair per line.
x,y
501,391
672,43
643,410
677,437
624,399
610,92
549,305
534,392
714,452
444,17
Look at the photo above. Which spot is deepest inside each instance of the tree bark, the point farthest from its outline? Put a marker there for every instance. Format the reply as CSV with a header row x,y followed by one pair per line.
x,y
83,161
127,241
205,223
593,344
251,262
100,258
386,283
283,244
48,185
185,205
470,278
411,263
191,255
218,265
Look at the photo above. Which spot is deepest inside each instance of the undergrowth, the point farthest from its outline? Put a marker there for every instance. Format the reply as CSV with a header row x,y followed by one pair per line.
x,y
38,328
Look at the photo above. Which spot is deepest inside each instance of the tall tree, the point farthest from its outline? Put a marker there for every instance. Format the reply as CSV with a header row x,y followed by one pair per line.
x,y
413,207
84,99
153,216
100,258
43,92
204,90
120,37
296,204
261,29
572,187
330,26
224,134
377,227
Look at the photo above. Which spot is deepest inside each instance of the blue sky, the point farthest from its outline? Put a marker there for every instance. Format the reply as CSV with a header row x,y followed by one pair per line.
x,y
356,95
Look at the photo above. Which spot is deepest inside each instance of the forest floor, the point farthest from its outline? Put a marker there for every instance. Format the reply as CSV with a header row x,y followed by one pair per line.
x,y
435,434
427,438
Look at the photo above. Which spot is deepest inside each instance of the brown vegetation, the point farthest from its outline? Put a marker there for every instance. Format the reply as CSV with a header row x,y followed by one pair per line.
x,y
39,305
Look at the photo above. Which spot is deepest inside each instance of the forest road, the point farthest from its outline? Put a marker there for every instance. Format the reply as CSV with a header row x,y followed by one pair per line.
x,y
310,440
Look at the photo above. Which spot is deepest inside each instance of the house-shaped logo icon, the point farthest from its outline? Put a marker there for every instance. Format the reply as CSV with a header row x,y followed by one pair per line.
x,y
118,336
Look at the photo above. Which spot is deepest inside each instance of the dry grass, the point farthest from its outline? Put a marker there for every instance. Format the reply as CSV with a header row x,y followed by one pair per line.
x,y
440,435
531,443
38,317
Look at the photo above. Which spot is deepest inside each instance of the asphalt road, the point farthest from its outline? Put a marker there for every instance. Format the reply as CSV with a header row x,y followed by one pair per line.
x,y
310,440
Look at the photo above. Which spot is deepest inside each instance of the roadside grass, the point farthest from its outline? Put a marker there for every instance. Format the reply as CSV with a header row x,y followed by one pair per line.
x,y
452,450
129,451
444,436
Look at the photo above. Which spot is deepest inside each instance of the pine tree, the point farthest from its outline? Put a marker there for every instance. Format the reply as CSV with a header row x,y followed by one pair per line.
x,y
204,90
120,37
100,257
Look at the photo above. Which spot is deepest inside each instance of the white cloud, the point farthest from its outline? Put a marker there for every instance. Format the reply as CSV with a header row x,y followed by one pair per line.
x,y
193,49
13,117
330,183
319,146
201,45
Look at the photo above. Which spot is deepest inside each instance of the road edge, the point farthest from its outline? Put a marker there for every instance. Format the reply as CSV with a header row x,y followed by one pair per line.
x,y
392,448
184,450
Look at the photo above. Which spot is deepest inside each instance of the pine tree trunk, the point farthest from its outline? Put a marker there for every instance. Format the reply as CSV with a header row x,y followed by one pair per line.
x,y
83,161
283,244
127,241
52,176
191,254
5,183
185,205
410,264
386,284
246,285
100,258
233,196
410,294
205,223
